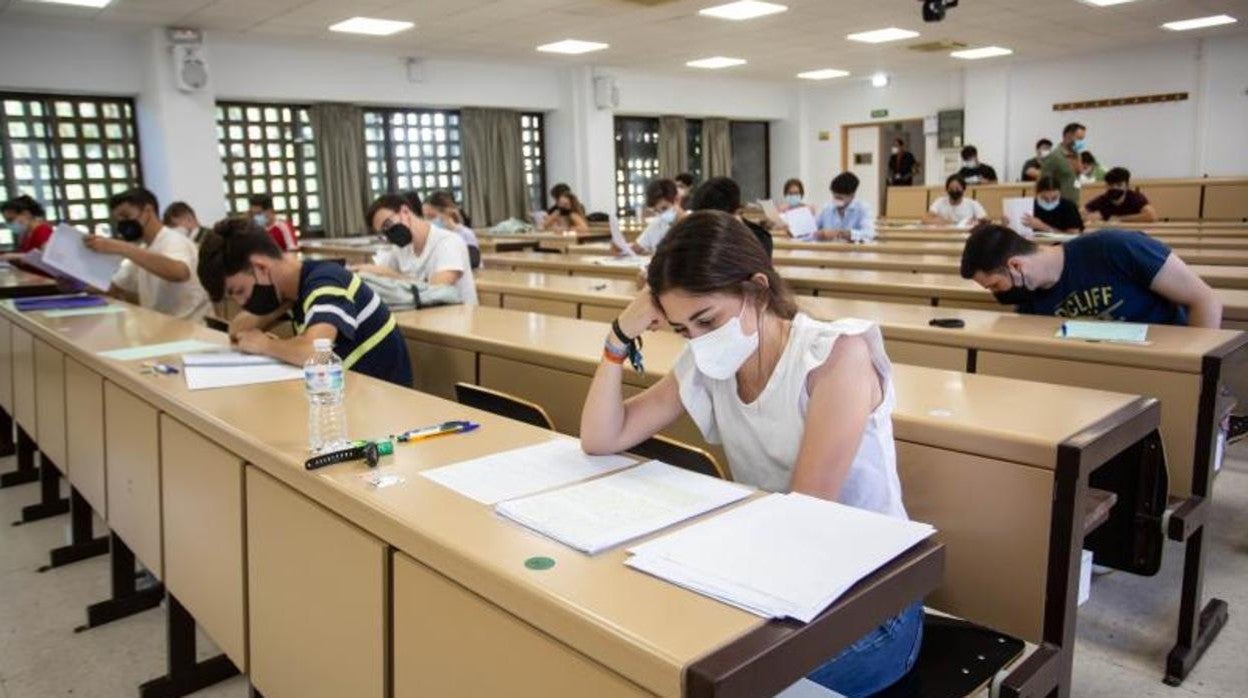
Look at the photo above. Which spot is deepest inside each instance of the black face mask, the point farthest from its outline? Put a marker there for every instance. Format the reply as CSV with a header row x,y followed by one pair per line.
x,y
129,230
398,234
1117,194
1017,295
955,195
263,300
565,211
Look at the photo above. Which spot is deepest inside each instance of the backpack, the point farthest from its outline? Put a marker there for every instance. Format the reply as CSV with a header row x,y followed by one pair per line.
x,y
405,294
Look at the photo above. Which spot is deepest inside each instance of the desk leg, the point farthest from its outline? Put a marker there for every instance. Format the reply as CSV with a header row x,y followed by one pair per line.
x,y
7,448
26,470
184,674
83,543
51,503
127,598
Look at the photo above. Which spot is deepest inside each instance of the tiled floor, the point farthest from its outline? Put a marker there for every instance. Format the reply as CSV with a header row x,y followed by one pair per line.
x,y
1125,630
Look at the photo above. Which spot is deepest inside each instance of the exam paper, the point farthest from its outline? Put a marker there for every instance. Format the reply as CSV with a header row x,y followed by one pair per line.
x,y
602,513
630,261
228,358
524,471
207,377
801,222
1014,208
151,351
617,236
1104,331
108,309
783,555
67,253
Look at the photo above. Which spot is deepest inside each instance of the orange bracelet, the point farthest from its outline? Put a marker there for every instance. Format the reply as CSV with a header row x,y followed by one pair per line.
x,y
613,358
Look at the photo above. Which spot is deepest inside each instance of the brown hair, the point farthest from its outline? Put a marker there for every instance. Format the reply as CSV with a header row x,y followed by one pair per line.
x,y
176,210
795,182
713,252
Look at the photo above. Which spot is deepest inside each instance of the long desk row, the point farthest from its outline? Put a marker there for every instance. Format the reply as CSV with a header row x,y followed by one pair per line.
x,y
958,435
322,584
943,290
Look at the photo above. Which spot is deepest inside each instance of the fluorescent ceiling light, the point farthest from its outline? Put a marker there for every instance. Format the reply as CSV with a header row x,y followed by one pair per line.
x,y
879,36
1105,3
370,26
76,3
1199,23
715,62
972,54
572,46
745,9
879,80
823,74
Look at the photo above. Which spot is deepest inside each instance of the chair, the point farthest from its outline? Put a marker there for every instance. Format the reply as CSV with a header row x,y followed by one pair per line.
x,y
957,658
680,455
503,405
474,256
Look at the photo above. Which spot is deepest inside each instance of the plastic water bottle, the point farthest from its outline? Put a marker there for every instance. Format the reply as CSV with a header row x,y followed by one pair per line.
x,y
327,415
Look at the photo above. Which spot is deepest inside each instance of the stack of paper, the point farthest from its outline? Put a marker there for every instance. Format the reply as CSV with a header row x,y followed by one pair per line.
x,y
600,514
783,555
224,369
67,253
801,222
1104,331
630,261
1015,208
524,471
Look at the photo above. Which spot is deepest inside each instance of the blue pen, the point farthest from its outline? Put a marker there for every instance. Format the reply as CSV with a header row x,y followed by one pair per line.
x,y
452,427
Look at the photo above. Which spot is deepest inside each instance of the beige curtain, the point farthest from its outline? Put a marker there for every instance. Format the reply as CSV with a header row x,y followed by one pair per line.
x,y
339,130
716,148
673,146
493,165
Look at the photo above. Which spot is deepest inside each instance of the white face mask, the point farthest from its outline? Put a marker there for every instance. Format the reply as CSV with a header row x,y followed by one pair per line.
x,y
840,202
720,353
1043,153
896,149
668,216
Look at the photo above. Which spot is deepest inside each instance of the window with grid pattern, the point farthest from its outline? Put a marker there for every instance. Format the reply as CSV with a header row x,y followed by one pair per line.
x,y
636,161
70,153
693,133
533,136
269,149
413,149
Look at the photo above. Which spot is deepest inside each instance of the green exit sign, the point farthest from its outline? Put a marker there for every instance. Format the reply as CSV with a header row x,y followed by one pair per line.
x,y
879,113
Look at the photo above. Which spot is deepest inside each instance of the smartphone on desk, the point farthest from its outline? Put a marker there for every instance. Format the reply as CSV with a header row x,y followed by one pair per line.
x,y
947,322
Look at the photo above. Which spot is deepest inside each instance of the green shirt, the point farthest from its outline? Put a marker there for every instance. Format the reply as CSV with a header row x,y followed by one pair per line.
x,y
1057,166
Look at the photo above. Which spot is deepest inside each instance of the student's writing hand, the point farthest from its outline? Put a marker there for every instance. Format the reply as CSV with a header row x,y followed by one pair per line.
x,y
104,245
252,341
640,315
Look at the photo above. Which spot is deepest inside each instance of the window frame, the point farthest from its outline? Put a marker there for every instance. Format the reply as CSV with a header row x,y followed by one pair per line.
x,y
299,111
538,195
622,171
390,158
58,204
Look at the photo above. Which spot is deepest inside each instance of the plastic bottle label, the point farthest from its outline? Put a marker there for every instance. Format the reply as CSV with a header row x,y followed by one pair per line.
x,y
323,378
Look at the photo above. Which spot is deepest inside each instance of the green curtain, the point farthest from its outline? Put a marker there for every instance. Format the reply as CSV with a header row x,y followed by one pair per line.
x,y
716,148
339,130
493,162
673,146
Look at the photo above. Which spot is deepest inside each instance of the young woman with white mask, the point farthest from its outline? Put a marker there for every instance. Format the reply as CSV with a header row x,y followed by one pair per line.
x,y
755,373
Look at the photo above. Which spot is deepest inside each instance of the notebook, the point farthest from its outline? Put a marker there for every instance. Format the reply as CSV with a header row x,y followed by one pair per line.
x,y
524,471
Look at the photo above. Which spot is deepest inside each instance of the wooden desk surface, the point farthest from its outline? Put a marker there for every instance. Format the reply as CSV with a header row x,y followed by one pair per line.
x,y
594,604
1190,252
947,408
16,282
540,236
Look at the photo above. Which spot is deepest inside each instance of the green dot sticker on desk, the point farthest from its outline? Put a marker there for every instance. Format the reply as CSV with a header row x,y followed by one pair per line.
x,y
539,563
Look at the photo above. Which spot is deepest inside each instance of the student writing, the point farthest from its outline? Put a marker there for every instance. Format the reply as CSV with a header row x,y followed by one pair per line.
x,y
420,251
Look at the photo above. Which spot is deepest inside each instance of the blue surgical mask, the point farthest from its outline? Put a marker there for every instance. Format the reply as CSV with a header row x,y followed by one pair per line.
x,y
668,216
260,219
793,199
841,202
1079,145
19,228
1048,205
968,163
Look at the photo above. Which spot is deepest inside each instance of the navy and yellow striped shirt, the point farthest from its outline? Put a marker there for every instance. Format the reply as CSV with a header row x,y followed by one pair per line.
x,y
368,340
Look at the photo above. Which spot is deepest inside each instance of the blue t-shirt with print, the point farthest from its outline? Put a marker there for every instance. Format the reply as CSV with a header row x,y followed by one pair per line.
x,y
1106,275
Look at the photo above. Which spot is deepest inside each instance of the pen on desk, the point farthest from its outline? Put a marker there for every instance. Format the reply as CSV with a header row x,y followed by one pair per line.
x,y
1063,329
452,427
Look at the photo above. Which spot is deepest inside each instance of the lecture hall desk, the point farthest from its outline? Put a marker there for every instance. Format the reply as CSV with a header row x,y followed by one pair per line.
x,y
1192,254
322,585
957,436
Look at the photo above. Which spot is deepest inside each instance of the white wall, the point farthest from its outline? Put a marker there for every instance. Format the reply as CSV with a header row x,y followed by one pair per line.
x,y
1224,142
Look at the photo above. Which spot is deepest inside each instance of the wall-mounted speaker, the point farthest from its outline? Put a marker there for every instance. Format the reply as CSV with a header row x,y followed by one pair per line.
x,y
606,93
190,67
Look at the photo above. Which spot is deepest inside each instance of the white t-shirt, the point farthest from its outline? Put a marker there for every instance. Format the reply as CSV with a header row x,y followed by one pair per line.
x,y
181,299
762,439
464,232
966,208
443,251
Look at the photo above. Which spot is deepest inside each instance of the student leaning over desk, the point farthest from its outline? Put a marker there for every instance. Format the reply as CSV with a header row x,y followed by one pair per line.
x,y
421,251
327,302
754,373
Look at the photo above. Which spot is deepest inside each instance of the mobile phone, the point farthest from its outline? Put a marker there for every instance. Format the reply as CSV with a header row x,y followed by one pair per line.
x,y
949,322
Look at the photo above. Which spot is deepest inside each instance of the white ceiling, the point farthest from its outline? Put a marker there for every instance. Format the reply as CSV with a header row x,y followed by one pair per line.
x,y
810,35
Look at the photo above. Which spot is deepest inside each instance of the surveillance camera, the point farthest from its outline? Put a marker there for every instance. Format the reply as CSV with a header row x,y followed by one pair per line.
x,y
934,10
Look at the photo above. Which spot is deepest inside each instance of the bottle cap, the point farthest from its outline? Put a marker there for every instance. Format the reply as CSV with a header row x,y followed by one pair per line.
x,y
322,344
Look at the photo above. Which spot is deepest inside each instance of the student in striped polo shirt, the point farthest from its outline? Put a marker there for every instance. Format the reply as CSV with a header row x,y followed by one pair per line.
x,y
327,301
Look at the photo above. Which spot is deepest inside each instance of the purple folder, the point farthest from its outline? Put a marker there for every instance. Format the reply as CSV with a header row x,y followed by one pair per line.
x,y
58,302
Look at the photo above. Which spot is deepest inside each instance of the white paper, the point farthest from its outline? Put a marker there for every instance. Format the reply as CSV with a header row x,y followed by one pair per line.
x,y
228,358
1104,331
801,222
617,236
524,471
770,212
1014,208
151,351
67,253
207,377
781,555
631,261
602,513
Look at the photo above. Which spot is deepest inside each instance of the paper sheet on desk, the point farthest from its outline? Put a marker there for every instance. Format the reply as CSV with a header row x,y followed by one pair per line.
x,y
783,555
96,310
524,471
801,222
1014,208
67,253
208,377
151,351
602,513
1104,331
